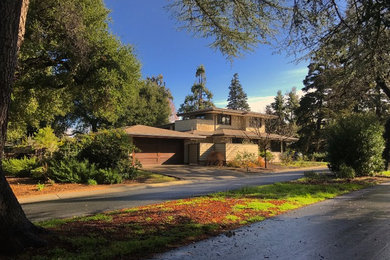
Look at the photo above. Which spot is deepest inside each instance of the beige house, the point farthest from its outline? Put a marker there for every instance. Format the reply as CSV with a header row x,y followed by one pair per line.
x,y
191,139
227,131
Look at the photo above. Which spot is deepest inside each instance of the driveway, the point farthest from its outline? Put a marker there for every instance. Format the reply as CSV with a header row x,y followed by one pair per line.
x,y
126,197
208,173
353,226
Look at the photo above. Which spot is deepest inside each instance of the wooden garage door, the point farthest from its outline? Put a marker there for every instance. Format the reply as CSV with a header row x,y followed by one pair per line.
x,y
159,151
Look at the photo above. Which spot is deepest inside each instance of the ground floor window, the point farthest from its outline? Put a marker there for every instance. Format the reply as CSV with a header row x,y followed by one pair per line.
x,y
237,140
275,146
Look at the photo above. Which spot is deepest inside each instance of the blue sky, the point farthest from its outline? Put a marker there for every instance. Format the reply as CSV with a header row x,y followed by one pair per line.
x,y
163,49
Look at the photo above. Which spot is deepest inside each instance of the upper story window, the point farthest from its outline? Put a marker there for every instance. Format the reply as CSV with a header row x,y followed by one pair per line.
x,y
255,122
224,119
203,116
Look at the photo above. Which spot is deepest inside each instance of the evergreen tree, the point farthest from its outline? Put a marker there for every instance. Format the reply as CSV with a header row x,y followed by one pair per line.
x,y
292,105
279,107
237,99
200,97
312,114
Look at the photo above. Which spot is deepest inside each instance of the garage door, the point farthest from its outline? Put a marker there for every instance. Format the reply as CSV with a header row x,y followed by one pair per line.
x,y
159,151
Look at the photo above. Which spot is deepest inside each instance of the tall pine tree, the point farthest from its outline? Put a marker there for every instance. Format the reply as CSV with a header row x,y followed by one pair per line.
x,y
200,97
237,99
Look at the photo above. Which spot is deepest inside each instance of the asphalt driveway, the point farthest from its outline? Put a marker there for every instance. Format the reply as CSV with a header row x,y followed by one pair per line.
x,y
353,226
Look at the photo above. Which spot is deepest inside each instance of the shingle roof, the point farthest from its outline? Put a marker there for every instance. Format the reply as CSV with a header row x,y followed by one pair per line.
x,y
228,112
148,131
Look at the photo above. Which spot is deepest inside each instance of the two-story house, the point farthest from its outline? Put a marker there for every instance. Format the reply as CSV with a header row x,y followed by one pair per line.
x,y
227,131
198,133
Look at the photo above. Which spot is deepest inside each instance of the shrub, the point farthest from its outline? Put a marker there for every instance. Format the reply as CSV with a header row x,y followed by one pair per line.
x,y
260,161
69,148
357,142
92,182
74,171
234,164
244,160
287,157
319,157
106,148
345,172
20,167
45,142
270,155
108,176
39,173
127,169
71,171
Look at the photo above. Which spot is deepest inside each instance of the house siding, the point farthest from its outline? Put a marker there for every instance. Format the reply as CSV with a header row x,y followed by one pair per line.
x,y
231,150
204,150
194,124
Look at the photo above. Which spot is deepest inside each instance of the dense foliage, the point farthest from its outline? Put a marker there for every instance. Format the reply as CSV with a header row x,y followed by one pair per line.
x,y
73,72
20,167
102,157
356,141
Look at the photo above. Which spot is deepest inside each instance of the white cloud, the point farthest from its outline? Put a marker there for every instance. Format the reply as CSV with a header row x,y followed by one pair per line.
x,y
258,104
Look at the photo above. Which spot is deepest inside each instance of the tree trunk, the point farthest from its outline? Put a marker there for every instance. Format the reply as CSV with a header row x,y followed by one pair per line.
x,y
16,231
382,84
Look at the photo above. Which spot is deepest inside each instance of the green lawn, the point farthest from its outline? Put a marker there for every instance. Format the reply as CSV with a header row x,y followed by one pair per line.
x,y
384,173
303,164
150,177
142,231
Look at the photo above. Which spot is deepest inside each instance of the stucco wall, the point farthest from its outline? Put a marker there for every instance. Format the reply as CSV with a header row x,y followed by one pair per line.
x,y
233,149
204,150
194,124
252,129
204,125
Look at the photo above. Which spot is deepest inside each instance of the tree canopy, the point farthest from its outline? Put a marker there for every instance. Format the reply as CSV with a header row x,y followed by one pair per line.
x,y
355,33
73,72
237,98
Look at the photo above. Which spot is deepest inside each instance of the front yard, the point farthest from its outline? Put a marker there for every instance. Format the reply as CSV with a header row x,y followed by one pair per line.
x,y
143,231
25,187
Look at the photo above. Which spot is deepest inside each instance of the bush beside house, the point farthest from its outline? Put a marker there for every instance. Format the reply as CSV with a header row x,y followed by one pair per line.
x,y
356,142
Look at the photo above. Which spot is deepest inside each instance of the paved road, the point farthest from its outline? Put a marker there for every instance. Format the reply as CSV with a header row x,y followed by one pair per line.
x,y
354,226
137,196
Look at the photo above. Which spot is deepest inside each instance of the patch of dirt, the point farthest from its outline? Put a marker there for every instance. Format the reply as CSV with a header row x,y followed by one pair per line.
x,y
26,187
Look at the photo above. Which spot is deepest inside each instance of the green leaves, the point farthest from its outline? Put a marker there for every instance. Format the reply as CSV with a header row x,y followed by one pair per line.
x,y
356,141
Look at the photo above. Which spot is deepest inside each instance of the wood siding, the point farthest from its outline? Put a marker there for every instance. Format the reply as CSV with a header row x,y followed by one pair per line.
x,y
159,151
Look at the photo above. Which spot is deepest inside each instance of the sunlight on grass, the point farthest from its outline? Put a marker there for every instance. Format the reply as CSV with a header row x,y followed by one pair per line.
x,y
303,164
384,173
150,177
